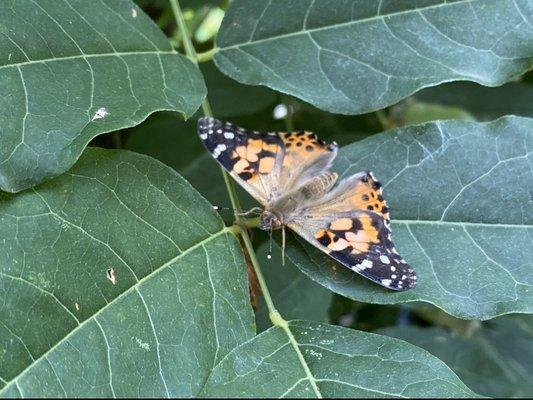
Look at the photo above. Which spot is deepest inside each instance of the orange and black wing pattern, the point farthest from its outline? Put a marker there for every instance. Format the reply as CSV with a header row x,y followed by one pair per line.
x,y
266,164
359,192
251,157
363,243
351,224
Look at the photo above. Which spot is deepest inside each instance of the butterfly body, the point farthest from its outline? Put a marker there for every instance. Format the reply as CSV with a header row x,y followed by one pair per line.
x,y
289,174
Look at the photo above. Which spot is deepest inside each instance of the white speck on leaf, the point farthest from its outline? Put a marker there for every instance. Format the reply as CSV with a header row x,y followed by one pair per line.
x,y
77,306
315,354
111,276
141,344
134,13
100,113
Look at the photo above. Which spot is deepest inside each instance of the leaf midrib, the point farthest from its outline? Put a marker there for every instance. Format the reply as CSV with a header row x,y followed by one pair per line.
x,y
348,23
457,223
85,56
120,296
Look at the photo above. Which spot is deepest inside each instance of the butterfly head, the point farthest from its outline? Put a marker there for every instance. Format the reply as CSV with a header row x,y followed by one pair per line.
x,y
270,221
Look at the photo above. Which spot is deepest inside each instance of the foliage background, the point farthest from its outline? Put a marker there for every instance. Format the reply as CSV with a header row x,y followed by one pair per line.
x,y
65,331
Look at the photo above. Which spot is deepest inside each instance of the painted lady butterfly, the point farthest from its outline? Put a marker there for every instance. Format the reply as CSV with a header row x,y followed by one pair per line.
x,y
289,174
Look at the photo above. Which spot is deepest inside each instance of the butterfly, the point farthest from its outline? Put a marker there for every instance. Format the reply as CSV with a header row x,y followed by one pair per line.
x,y
289,175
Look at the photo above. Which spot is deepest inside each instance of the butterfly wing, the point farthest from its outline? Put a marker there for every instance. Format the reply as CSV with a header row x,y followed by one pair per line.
x,y
350,223
343,225
359,192
265,164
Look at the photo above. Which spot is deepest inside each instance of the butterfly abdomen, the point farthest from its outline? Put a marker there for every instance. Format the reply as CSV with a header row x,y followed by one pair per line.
x,y
319,185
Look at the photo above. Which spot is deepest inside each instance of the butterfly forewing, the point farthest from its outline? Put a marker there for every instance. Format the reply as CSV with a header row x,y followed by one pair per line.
x,y
251,157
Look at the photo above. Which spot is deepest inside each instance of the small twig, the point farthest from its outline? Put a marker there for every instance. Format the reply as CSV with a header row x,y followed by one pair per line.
x,y
191,54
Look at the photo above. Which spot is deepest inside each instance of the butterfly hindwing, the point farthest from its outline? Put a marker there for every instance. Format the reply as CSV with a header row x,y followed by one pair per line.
x,y
359,192
361,241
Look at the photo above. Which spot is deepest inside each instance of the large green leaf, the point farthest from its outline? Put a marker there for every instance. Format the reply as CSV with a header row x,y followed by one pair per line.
x,y
361,55
73,69
460,198
178,303
495,361
317,359
176,144
229,98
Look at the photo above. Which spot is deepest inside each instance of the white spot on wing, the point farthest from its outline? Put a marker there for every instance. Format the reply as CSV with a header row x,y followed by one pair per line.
x,y
384,259
365,264
229,135
218,150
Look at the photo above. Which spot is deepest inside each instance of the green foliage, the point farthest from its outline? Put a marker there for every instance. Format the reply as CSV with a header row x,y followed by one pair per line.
x,y
494,359
393,48
179,302
117,277
73,71
448,184
330,353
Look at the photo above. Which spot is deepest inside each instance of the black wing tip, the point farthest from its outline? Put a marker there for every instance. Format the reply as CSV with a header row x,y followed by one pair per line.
x,y
406,281
206,122
389,271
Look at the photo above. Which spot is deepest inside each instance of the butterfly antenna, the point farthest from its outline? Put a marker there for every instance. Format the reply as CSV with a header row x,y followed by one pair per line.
x,y
255,210
283,245
221,208
269,254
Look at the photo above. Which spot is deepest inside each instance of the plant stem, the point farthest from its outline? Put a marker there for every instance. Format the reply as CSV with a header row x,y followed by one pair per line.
x,y
257,269
384,120
206,107
207,55
191,54
185,36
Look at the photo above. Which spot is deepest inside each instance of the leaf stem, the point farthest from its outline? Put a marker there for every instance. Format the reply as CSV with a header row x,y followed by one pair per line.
x,y
385,122
191,54
207,55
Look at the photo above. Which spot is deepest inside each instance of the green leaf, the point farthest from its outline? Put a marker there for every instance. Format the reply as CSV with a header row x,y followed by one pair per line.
x,y
358,56
74,69
334,362
179,301
176,144
495,361
485,103
229,98
294,294
460,199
